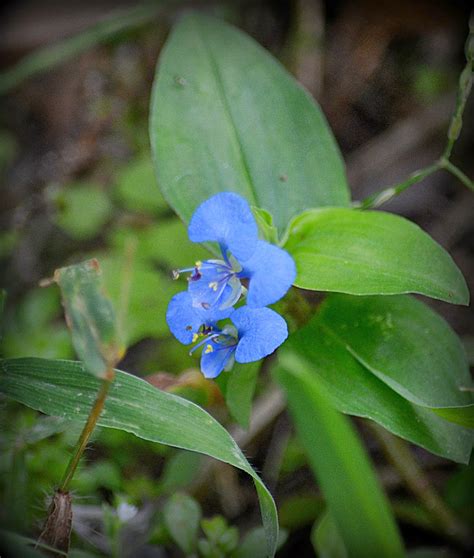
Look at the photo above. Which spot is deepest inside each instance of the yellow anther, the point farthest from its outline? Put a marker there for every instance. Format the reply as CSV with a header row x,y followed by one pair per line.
x,y
213,285
208,349
198,264
195,337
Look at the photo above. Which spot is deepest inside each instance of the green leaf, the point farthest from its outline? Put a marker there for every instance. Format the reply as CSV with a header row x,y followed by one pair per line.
x,y
136,187
356,391
90,316
182,515
83,209
326,539
371,252
63,388
240,389
405,344
338,459
226,116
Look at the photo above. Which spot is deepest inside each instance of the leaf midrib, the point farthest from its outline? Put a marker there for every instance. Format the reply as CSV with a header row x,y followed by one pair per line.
x,y
228,112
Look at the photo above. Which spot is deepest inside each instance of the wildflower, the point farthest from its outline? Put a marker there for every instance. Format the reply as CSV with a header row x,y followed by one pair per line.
x,y
227,219
255,333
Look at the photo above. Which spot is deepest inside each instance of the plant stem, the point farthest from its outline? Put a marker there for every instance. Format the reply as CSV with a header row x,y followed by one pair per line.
x,y
457,172
465,84
398,453
86,433
454,130
379,198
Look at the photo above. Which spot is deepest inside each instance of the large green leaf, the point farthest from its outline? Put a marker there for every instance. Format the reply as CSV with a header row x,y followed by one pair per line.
x,y
356,391
347,479
371,252
226,116
63,388
405,344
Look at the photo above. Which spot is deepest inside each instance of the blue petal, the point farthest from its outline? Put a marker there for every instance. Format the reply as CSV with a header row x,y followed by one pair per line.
x,y
184,320
260,331
226,218
272,271
214,362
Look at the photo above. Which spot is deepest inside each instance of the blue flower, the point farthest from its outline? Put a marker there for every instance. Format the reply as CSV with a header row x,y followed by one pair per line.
x,y
255,333
227,219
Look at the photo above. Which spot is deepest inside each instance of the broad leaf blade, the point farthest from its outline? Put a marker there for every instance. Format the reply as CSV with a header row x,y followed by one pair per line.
x,y
371,252
347,479
356,391
90,316
63,388
405,344
226,116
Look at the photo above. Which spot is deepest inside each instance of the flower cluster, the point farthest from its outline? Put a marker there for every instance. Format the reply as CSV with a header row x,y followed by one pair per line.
x,y
215,286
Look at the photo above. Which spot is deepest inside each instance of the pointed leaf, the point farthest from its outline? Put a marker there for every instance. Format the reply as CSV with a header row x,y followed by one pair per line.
x,y
371,252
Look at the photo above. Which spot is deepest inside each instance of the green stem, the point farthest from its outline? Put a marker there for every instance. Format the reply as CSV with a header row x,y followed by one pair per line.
x,y
454,130
379,198
465,84
457,172
86,434
399,454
